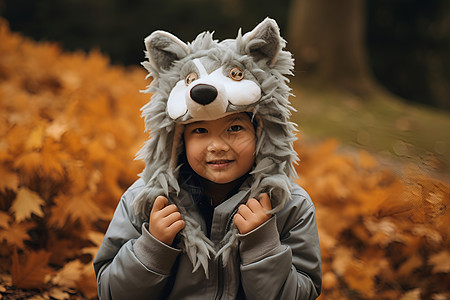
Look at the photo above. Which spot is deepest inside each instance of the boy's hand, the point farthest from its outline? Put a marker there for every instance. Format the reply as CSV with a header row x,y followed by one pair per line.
x,y
253,214
165,221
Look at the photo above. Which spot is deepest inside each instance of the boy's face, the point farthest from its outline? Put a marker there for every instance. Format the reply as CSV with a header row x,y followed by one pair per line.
x,y
221,150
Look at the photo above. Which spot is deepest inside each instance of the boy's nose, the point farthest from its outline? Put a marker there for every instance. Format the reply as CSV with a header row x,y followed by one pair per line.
x,y
217,145
203,93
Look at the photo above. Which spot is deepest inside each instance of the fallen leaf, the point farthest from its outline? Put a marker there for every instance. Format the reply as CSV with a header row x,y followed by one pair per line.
x,y
16,234
26,203
69,275
440,262
72,208
58,294
32,271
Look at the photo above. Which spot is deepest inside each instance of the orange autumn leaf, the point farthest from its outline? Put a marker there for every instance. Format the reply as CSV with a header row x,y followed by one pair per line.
x,y
73,208
31,272
28,163
16,234
26,203
47,162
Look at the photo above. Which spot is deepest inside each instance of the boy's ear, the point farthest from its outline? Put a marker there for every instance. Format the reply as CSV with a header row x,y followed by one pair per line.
x,y
163,49
264,41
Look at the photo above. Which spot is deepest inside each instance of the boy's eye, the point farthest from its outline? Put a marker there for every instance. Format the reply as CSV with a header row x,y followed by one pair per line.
x,y
200,130
235,128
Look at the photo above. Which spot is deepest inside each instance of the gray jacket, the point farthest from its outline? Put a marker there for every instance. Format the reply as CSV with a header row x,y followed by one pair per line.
x,y
131,264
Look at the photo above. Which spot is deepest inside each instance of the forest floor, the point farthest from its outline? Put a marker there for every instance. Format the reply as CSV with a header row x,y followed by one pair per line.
x,y
391,129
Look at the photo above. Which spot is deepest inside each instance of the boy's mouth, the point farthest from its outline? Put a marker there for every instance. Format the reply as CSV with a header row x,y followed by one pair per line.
x,y
219,163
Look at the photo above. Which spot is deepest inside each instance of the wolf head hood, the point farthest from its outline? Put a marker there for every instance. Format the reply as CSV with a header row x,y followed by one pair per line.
x,y
206,80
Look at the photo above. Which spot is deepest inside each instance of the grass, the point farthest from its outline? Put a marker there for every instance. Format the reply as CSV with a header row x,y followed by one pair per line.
x,y
386,126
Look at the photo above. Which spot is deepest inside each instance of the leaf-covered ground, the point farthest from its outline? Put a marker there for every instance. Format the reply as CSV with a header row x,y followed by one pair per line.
x,y
69,129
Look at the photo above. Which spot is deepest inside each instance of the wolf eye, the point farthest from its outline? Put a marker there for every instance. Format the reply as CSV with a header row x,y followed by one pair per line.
x,y
236,74
190,78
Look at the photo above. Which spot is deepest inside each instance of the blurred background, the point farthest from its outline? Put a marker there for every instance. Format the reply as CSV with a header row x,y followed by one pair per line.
x,y
405,44
372,95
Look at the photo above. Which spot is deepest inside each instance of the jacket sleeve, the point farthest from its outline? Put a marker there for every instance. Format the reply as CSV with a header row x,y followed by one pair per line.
x,y
131,264
281,258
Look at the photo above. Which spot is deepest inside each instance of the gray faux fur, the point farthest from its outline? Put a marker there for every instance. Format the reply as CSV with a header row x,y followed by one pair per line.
x,y
259,53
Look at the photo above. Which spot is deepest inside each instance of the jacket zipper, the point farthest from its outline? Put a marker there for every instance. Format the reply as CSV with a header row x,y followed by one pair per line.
x,y
219,279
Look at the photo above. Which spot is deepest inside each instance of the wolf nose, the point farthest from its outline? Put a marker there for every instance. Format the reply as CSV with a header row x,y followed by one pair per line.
x,y
203,93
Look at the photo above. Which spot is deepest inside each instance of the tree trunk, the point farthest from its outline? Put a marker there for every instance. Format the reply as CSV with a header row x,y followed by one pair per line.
x,y
327,40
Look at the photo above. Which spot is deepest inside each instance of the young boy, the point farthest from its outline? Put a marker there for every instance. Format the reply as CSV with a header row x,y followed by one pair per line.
x,y
216,214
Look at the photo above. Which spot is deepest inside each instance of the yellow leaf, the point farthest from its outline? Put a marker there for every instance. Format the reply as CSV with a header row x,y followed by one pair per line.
x,y
440,262
26,203
59,294
68,275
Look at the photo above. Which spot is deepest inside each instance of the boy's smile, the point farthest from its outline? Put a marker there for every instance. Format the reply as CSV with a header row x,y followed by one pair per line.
x,y
221,150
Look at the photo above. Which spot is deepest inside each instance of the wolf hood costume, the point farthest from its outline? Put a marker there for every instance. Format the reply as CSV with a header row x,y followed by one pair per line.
x,y
206,80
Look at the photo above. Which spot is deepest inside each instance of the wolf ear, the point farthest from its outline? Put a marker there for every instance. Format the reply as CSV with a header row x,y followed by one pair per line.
x,y
264,41
163,49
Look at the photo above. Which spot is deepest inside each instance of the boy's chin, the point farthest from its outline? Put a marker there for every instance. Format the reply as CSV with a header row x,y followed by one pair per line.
x,y
224,180
219,181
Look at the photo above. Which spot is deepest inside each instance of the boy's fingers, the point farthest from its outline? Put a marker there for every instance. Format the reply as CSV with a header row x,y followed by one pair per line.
x,y
244,211
239,221
254,205
169,209
160,202
177,226
172,218
265,201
